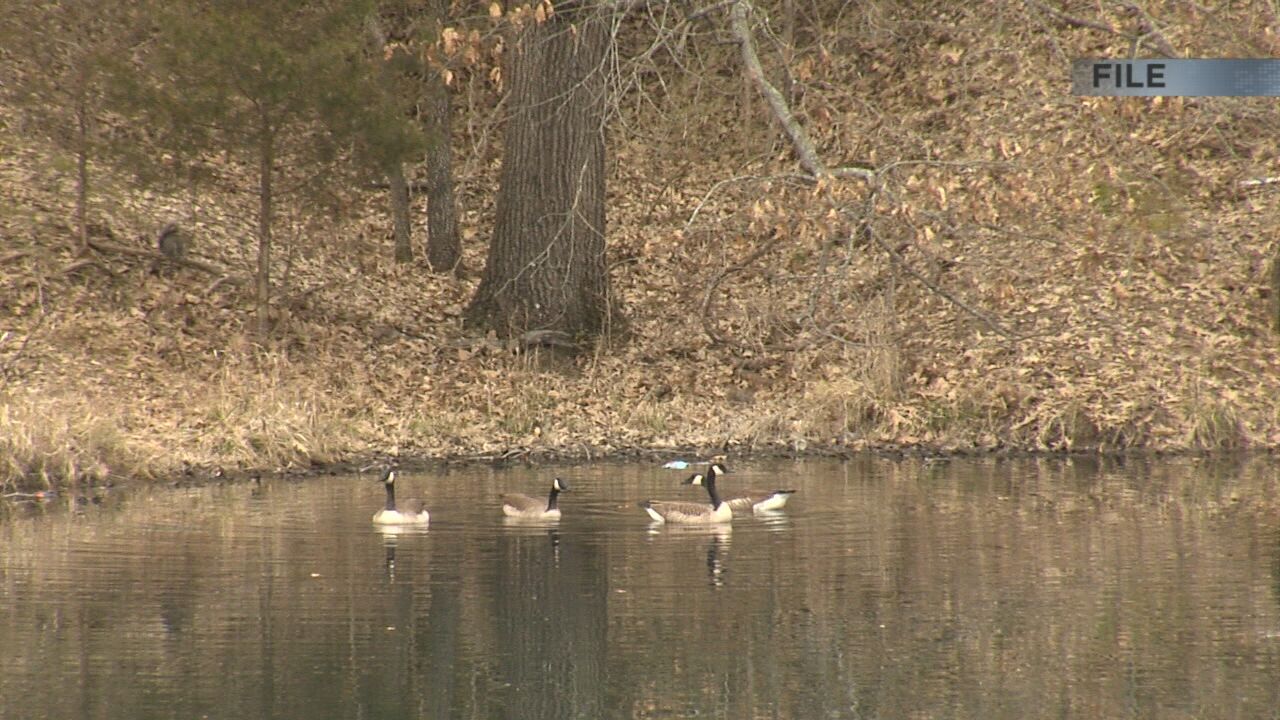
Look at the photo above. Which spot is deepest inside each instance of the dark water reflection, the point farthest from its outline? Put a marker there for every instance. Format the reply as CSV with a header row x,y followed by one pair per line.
x,y
885,590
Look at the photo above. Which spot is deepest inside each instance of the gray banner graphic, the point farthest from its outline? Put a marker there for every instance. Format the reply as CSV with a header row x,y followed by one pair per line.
x,y
1192,78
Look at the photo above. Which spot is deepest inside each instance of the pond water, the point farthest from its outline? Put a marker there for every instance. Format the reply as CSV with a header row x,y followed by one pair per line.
x,y
961,589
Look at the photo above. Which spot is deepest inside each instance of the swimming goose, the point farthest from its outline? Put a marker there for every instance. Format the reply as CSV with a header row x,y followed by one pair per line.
x,y
664,511
756,500
523,506
412,514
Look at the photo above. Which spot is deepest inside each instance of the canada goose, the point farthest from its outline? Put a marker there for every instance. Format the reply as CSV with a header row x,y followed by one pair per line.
x,y
523,506
757,500
688,512
412,514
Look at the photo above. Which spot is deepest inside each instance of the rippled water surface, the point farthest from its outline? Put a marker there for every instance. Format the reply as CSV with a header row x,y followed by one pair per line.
x,y
962,589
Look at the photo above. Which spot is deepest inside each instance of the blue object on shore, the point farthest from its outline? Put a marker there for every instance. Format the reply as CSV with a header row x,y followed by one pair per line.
x,y
676,465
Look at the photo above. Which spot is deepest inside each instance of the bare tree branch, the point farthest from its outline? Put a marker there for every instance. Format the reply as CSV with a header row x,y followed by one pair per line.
x,y
800,142
707,297
897,259
21,349
1147,27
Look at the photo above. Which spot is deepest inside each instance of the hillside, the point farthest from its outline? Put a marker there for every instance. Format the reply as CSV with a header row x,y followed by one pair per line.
x,y
1043,272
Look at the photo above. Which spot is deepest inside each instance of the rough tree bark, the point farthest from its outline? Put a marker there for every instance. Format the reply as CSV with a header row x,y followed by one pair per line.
x,y
444,249
400,223
546,269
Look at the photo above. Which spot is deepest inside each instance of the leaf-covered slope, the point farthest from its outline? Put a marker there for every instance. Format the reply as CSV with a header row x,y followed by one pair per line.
x,y
1037,271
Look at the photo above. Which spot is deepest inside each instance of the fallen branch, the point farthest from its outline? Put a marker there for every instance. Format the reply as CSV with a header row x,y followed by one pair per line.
x,y
13,257
415,185
224,280
800,142
83,263
101,246
544,338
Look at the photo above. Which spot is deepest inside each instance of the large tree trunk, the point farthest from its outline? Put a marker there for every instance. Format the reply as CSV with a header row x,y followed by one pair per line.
x,y
444,249
546,268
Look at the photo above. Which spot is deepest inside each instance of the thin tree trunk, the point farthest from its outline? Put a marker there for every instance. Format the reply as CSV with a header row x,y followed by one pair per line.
x,y
444,248
266,157
400,213
1274,277
400,222
546,268
82,167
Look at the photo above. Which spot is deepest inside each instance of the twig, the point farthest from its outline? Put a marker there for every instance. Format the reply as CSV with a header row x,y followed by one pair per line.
x,y
17,354
800,177
1071,19
1257,182
708,10
714,189
13,257
224,280
1147,27
897,259
705,310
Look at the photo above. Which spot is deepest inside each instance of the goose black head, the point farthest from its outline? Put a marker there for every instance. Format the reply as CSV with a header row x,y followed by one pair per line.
x,y
559,485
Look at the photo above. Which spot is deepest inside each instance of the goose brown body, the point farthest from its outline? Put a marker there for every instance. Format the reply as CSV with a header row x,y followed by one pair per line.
x,y
688,513
522,506
743,500
408,512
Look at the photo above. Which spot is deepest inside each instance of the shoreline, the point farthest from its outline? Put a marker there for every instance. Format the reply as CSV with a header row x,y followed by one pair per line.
x,y
199,476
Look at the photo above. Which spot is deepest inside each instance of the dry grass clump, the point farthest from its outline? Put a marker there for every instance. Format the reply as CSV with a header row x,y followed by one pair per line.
x,y
45,442
838,409
268,418
1215,424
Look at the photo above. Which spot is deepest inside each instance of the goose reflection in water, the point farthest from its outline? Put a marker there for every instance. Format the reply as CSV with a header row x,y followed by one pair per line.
x,y
392,535
533,526
719,538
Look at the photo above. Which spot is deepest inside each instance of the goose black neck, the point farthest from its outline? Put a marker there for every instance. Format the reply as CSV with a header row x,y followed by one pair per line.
x,y
391,495
710,482
553,498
